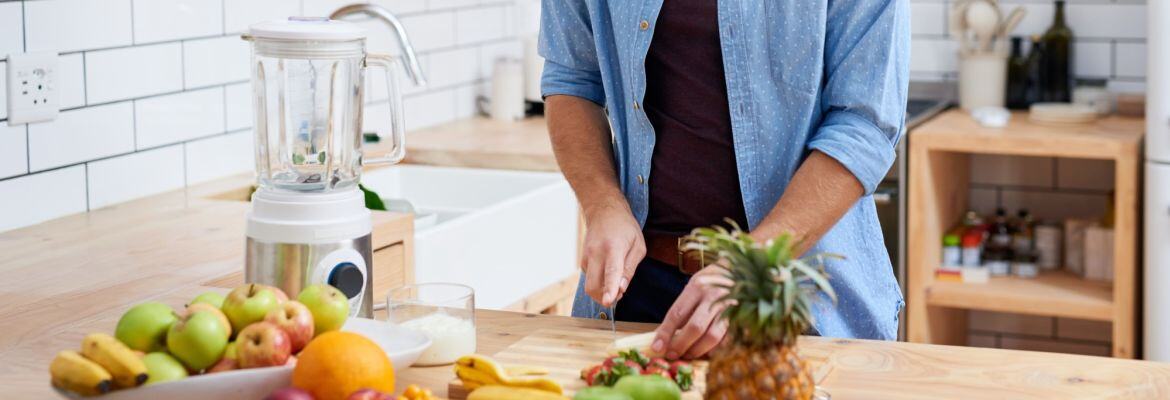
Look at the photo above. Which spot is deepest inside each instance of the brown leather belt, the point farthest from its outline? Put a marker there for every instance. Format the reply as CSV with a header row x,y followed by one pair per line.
x,y
669,250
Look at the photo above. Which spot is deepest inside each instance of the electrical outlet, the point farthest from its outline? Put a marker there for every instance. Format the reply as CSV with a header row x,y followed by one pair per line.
x,y
32,87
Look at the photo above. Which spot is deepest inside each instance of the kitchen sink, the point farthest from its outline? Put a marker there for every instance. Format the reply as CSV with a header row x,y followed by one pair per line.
x,y
507,234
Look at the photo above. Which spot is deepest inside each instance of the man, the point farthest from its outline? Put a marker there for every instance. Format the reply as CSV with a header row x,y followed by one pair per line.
x,y
781,115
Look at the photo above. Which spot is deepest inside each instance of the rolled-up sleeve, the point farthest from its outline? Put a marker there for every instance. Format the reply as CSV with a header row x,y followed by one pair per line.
x,y
569,51
866,69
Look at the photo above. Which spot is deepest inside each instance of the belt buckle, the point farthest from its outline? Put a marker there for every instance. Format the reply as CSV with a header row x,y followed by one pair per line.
x,y
682,255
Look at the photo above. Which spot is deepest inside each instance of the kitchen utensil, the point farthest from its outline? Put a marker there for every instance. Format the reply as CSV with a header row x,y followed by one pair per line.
x,y
1008,24
443,312
613,321
983,18
958,25
401,345
1062,113
308,223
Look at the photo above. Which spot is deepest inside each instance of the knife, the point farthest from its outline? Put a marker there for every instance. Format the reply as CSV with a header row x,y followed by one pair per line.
x,y
613,321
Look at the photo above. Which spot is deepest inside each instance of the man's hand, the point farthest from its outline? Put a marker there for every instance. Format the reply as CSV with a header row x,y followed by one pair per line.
x,y
695,316
613,248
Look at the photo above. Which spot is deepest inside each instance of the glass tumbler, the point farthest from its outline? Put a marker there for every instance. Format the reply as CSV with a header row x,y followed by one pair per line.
x,y
444,312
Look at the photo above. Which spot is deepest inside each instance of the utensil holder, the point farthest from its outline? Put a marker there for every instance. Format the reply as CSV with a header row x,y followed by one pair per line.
x,y
982,80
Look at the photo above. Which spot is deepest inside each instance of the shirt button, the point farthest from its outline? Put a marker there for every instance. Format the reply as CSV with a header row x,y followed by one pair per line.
x,y
641,180
644,25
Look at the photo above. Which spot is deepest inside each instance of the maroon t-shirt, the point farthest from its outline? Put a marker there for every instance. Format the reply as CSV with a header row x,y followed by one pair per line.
x,y
693,177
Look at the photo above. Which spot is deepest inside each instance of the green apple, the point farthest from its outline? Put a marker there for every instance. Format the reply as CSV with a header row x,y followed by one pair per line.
x,y
144,326
198,307
328,305
249,303
213,298
161,367
198,340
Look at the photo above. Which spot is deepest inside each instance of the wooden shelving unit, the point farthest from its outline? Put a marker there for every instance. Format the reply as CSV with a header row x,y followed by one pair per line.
x,y
939,178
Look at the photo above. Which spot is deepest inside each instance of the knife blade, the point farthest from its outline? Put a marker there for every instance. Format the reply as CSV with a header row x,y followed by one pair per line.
x,y
613,321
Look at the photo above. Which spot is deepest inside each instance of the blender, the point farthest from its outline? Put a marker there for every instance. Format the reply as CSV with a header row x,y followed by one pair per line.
x,y
309,223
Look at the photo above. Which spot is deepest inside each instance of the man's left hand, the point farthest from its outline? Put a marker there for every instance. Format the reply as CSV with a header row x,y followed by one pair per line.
x,y
696,317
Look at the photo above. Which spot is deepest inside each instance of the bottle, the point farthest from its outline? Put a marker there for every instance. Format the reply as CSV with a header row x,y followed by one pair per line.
x,y
1056,81
1001,233
1023,235
1017,89
952,254
971,251
1035,54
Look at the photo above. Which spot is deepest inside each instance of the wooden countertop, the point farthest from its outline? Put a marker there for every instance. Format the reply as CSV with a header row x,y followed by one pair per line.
x,y
75,275
955,130
483,143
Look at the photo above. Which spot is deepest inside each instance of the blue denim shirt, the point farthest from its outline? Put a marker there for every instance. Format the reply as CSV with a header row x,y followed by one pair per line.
x,y
802,75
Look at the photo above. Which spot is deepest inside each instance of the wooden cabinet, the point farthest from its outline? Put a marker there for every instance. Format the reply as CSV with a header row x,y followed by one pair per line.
x,y
939,178
391,270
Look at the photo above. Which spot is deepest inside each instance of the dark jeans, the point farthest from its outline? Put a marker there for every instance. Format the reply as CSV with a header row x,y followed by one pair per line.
x,y
651,293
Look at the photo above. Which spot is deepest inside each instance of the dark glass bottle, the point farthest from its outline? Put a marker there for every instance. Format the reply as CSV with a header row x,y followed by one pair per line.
x,y
1056,81
1017,85
1035,54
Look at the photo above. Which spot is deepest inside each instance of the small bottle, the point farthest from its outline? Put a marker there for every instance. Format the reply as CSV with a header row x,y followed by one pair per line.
x,y
1035,54
972,249
1023,236
997,260
1001,234
1024,265
1017,86
952,253
1056,73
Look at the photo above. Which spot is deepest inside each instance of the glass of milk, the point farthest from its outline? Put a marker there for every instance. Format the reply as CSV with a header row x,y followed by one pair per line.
x,y
444,312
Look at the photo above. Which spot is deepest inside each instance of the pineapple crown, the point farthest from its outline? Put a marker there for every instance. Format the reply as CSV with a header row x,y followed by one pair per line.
x,y
771,292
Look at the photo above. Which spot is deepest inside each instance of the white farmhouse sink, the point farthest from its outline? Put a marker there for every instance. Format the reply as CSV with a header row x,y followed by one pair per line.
x,y
507,234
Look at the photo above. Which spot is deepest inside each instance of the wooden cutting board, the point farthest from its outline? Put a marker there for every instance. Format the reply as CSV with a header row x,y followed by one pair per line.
x,y
564,352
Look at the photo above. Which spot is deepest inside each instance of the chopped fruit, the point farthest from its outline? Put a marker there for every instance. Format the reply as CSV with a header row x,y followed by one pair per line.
x,y
632,363
414,392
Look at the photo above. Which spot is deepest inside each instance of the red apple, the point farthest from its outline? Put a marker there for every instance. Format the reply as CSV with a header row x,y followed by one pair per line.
x,y
369,394
289,393
296,320
224,364
262,344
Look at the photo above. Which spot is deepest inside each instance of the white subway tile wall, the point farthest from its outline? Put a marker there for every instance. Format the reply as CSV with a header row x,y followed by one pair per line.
x,y
1110,37
11,29
155,93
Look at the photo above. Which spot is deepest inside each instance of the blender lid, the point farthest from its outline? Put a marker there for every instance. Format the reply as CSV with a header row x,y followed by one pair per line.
x,y
307,28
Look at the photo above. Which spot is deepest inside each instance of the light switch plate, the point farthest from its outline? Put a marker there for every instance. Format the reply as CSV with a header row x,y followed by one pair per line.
x,y
32,87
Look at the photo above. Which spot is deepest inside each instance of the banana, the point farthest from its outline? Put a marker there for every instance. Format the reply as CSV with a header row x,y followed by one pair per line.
x,y
466,374
524,370
123,364
512,393
72,372
479,370
532,382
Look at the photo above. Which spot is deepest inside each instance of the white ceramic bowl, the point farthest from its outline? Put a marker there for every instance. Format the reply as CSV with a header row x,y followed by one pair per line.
x,y
403,346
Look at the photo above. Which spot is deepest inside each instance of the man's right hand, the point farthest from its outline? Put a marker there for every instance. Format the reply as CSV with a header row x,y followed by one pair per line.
x,y
613,248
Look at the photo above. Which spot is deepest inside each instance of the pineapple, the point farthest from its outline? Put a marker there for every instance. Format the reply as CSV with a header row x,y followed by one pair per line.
x,y
769,305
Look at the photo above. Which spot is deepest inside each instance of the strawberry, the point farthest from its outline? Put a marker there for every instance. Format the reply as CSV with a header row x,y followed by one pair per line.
x,y
656,370
659,362
597,374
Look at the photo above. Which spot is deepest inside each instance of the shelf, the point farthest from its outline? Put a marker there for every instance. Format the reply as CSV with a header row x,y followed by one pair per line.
x,y
1108,138
1052,294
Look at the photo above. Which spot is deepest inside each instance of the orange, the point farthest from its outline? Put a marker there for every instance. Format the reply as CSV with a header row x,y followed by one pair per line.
x,y
337,363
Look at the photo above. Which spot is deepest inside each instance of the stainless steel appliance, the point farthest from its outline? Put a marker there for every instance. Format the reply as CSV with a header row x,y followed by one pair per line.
x,y
308,222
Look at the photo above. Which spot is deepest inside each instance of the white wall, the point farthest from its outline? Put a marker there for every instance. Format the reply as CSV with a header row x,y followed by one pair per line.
x,y
1110,38
154,93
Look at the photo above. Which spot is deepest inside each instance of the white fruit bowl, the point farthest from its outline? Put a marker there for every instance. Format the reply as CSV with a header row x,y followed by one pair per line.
x,y
403,346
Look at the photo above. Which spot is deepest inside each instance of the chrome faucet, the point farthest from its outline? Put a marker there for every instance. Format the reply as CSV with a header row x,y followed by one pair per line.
x,y
413,70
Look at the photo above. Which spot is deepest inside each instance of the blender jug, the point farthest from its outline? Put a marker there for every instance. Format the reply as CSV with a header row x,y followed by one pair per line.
x,y
308,80
308,223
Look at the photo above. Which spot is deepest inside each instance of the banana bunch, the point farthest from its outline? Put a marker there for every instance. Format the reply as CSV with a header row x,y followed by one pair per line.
x,y
103,364
477,371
